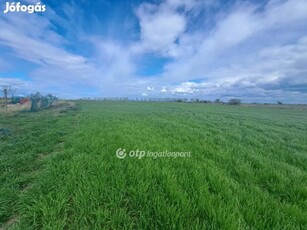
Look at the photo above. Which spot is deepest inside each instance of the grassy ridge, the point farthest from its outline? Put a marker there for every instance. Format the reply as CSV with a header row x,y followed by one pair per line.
x,y
247,170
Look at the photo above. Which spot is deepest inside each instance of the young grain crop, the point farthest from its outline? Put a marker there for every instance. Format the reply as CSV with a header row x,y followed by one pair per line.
x,y
247,170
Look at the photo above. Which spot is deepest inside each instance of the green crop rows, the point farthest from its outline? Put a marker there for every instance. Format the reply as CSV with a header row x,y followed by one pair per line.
x,y
247,169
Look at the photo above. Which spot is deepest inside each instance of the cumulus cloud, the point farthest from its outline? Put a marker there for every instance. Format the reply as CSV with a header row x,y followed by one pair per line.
x,y
161,26
239,25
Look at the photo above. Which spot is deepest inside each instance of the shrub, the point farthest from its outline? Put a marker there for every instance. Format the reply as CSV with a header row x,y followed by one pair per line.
x,y
41,102
279,103
234,101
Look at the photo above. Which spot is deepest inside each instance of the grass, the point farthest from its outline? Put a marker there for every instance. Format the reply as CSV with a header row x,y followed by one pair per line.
x,y
14,108
247,170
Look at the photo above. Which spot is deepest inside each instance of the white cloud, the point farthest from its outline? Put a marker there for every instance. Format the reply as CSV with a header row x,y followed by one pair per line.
x,y
150,88
163,90
114,60
180,90
160,27
20,86
42,46
182,3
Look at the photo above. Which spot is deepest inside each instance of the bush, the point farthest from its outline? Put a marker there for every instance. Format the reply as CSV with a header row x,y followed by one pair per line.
x,y
205,101
41,102
35,99
234,101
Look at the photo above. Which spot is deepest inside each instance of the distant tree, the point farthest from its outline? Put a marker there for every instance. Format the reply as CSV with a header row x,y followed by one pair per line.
x,y
6,90
35,100
205,101
234,101
279,103
47,101
217,101
38,101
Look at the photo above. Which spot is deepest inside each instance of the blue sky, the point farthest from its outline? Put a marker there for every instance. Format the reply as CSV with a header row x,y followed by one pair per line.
x,y
252,50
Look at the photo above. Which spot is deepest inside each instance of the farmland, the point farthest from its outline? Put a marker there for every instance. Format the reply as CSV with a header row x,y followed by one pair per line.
x,y
247,168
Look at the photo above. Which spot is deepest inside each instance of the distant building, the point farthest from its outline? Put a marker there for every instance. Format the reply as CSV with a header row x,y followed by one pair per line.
x,y
19,99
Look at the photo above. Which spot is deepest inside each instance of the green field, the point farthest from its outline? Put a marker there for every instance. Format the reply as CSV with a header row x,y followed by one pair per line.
x,y
247,168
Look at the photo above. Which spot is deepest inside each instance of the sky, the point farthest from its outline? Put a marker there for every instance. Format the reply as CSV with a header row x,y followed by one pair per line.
x,y
254,50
